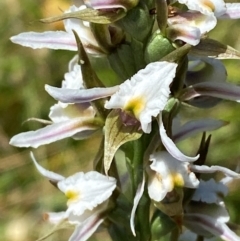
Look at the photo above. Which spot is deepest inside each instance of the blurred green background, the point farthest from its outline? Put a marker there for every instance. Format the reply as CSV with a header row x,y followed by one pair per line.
x,y
24,194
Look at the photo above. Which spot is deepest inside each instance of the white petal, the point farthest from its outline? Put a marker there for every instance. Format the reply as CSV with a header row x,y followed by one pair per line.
x,y
211,169
216,211
102,4
232,12
204,23
52,176
193,127
59,113
225,91
89,189
85,230
211,225
159,185
83,31
202,69
73,78
51,133
171,147
55,218
136,200
170,172
146,94
206,6
184,32
79,95
50,39
210,192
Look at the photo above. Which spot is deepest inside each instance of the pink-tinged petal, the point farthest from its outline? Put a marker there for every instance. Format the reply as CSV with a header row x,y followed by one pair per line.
x,y
106,4
184,32
232,12
194,127
225,91
210,225
136,200
211,169
206,7
52,133
204,23
216,211
171,147
85,230
52,176
80,95
203,69
52,40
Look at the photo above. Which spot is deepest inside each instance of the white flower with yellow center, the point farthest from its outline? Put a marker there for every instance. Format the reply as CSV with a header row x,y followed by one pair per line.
x,y
85,191
146,93
166,173
87,194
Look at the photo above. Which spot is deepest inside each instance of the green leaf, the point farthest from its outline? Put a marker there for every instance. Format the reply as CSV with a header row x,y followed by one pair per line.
x,y
116,134
214,49
90,15
161,225
89,76
177,55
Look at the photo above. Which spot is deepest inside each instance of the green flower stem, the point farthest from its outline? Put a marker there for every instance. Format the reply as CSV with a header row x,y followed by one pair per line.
x,y
200,238
175,234
162,15
142,213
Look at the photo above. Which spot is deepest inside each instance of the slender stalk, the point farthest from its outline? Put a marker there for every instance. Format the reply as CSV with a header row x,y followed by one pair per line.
x,y
143,209
175,234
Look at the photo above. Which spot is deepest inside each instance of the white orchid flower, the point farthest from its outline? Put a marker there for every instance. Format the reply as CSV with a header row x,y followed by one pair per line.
x,y
166,173
68,120
146,93
87,194
64,40
201,18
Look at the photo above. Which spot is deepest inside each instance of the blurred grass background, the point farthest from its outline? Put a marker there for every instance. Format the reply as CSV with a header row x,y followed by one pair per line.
x,y
24,194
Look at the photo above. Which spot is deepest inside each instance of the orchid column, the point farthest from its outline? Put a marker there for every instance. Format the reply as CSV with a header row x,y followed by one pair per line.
x,y
142,186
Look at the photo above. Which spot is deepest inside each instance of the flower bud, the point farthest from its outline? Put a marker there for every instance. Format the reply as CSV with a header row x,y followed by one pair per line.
x,y
157,47
138,22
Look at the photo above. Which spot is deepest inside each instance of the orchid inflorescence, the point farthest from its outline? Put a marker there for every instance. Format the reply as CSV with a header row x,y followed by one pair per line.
x,y
163,59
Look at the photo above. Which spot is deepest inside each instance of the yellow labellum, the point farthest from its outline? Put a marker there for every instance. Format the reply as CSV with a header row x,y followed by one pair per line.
x,y
72,195
135,106
178,179
209,4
